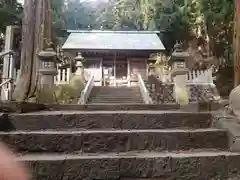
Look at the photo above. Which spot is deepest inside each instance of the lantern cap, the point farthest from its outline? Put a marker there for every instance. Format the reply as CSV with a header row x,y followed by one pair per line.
x,y
79,57
178,54
47,53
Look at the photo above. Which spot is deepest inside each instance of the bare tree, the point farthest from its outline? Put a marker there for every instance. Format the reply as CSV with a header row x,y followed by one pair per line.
x,y
36,33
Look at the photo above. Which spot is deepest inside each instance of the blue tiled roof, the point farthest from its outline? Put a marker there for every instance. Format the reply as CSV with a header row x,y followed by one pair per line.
x,y
113,40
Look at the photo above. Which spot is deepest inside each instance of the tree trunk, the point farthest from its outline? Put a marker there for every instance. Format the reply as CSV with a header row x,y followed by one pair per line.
x,y
236,41
36,33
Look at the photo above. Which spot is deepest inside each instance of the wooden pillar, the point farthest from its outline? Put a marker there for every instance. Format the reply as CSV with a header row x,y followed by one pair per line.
x,y
114,62
236,42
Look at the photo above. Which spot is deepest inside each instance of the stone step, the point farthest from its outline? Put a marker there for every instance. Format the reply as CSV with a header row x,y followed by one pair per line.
x,y
116,95
105,88
192,165
108,120
116,140
116,98
192,107
116,107
106,101
114,102
114,92
127,94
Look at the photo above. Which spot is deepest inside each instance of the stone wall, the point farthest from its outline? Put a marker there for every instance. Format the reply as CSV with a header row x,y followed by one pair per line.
x,y
164,92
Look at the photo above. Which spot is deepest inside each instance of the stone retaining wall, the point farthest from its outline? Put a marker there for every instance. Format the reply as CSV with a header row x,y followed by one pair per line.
x,y
164,92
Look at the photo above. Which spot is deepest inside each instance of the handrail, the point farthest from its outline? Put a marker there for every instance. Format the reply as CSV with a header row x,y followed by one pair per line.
x,y
5,82
144,92
8,85
4,53
87,90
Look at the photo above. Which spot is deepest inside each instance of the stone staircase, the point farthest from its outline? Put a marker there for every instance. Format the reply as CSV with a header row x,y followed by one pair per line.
x,y
115,95
122,145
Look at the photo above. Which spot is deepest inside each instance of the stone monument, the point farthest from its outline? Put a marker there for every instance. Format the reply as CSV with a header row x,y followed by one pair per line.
x,y
80,71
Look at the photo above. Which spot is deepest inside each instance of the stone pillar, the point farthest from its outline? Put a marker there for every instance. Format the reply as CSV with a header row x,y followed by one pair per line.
x,y
178,74
48,71
180,86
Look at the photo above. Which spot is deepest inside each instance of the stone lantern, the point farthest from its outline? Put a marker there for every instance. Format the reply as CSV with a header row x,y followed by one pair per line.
x,y
78,59
79,65
178,59
48,70
179,74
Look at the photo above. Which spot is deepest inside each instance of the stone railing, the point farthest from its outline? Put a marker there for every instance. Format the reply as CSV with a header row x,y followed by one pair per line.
x,y
63,76
200,77
144,91
194,77
87,90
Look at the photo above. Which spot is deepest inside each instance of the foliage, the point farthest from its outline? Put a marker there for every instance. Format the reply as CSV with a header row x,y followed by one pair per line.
x,y
219,16
58,17
69,93
10,13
